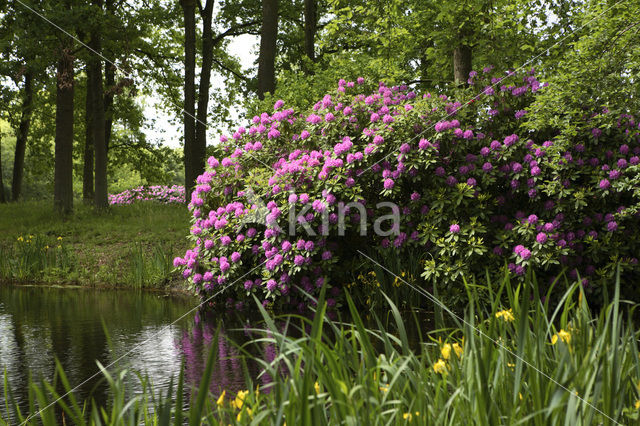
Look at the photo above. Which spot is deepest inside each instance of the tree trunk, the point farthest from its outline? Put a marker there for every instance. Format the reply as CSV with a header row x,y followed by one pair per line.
x,y
97,95
310,28
268,38
23,134
87,171
3,197
109,82
63,173
190,160
198,153
461,64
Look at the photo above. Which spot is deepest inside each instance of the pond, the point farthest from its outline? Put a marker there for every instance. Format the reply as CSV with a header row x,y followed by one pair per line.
x,y
151,333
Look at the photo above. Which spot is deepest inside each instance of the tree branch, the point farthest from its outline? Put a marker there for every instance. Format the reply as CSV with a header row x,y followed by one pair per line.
x,y
224,67
233,31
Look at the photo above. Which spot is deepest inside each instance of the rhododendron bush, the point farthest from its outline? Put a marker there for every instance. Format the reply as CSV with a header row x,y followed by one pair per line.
x,y
156,193
298,194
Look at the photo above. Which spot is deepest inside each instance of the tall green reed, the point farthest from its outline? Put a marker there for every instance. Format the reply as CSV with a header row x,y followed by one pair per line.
x,y
149,267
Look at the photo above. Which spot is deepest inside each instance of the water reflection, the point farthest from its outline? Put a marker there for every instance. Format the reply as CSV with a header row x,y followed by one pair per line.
x,y
233,367
38,325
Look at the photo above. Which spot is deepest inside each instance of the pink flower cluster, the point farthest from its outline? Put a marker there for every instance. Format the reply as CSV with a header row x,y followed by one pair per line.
x,y
157,193
458,180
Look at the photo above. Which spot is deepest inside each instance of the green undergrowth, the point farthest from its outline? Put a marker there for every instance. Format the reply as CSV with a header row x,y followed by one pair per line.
x,y
514,360
129,245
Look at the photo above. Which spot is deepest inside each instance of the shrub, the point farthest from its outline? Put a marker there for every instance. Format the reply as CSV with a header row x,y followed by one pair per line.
x,y
158,193
472,191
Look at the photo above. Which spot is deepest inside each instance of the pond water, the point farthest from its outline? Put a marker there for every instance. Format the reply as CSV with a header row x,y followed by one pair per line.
x,y
146,332
152,333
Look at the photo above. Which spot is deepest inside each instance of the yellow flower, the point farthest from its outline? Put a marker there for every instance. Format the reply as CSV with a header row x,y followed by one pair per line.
x,y
317,387
562,335
407,416
20,238
440,367
239,401
59,238
220,400
457,349
505,315
445,350
241,414
59,247
384,388
637,405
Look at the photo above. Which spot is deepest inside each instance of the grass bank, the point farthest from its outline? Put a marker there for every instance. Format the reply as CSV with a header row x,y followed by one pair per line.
x,y
128,245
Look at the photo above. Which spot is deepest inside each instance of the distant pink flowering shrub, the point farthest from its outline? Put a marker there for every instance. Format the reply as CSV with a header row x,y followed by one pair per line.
x,y
474,190
157,193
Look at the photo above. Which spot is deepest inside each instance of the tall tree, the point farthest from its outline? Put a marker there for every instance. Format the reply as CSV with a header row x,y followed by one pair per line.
x,y
97,114
110,89
199,147
63,169
190,159
3,197
461,63
87,168
22,135
310,28
268,39
110,84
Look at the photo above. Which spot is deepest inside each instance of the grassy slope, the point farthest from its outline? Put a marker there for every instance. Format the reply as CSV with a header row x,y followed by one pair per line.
x,y
102,243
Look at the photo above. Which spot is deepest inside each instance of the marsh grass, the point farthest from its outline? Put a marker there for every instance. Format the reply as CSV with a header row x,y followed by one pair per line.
x,y
514,360
31,257
149,267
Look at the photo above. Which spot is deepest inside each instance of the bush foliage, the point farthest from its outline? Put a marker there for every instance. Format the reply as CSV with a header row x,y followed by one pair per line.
x,y
475,190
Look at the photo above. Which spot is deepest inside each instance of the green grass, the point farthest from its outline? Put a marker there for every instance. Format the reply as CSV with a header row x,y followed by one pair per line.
x,y
100,244
511,370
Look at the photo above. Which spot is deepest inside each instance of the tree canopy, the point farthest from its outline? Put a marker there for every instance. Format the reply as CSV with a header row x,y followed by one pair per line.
x,y
120,54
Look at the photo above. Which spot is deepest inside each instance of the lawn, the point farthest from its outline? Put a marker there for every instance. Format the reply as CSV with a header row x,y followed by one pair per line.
x,y
104,249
